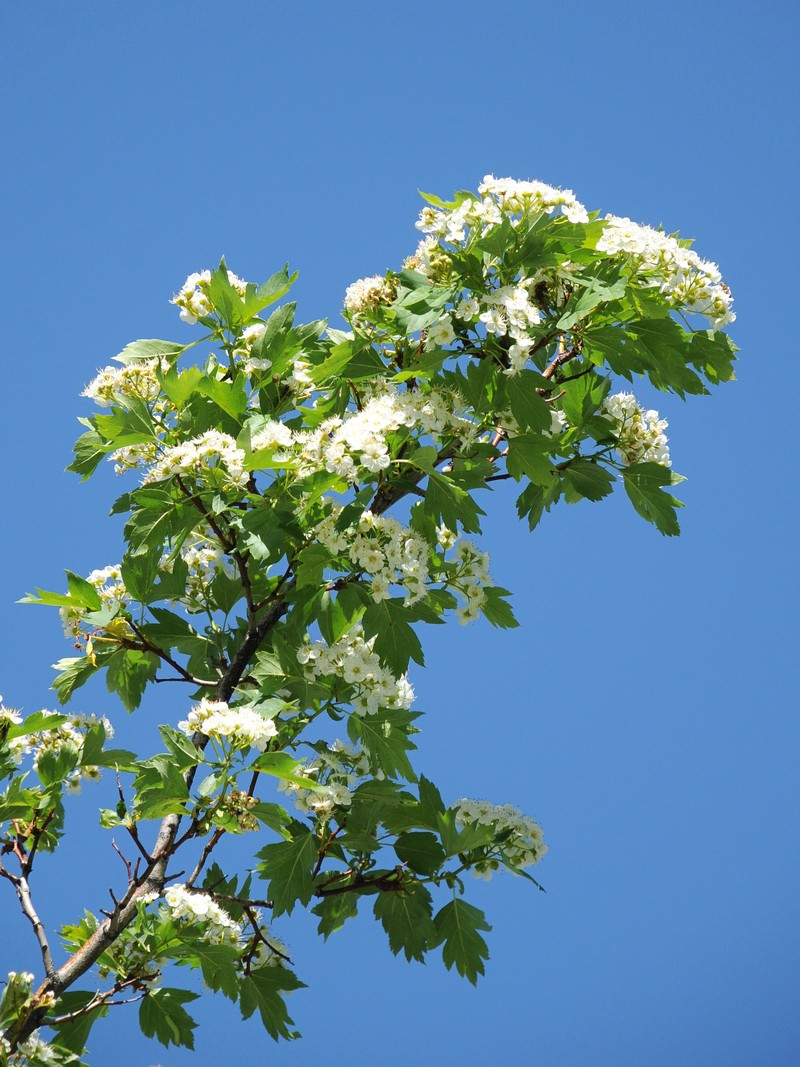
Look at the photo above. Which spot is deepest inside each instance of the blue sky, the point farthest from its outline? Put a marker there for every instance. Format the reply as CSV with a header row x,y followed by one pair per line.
x,y
645,710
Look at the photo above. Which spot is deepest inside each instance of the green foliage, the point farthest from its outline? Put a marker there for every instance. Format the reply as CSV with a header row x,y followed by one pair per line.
x,y
162,1016
298,514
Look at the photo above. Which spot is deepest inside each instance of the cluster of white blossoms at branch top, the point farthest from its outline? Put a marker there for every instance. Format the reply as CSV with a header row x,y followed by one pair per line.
x,y
111,590
137,379
335,770
352,659
689,282
193,296
195,908
499,198
386,550
369,293
240,727
212,452
640,434
521,842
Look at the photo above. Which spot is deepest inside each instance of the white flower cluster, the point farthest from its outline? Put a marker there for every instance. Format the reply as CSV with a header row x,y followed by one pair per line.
x,y
689,282
136,379
204,561
132,457
369,293
193,296
521,842
273,435
470,578
507,310
342,445
68,737
242,727
111,590
352,659
243,351
386,550
337,770
499,198
210,451
515,197
640,434
430,259
196,908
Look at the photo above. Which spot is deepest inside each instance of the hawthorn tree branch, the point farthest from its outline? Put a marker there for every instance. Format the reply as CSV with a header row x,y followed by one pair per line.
x,y
22,889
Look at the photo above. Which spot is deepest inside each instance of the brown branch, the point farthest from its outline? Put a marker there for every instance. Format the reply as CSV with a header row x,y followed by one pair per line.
x,y
22,889
210,845
150,647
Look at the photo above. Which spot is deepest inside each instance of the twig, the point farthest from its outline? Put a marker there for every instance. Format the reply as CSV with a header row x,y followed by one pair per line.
x,y
210,845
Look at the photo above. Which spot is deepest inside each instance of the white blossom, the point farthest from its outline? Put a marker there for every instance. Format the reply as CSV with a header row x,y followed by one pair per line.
x,y
241,727
368,293
211,451
690,283
137,379
640,434
195,908
521,842
352,659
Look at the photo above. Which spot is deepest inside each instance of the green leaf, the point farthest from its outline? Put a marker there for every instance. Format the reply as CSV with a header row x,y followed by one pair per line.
x,y
458,923
182,749
448,503
417,308
588,479
334,911
140,570
643,484
276,333
74,671
217,962
264,534
162,1016
93,754
263,989
405,915
180,385
82,592
54,764
529,455
73,1035
160,788
421,851
497,609
531,411
229,396
271,290
282,765
146,348
90,449
395,641
128,673
385,735
287,867
32,724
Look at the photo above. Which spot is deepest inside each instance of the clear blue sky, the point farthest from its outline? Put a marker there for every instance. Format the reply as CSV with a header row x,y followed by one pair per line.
x,y
645,712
